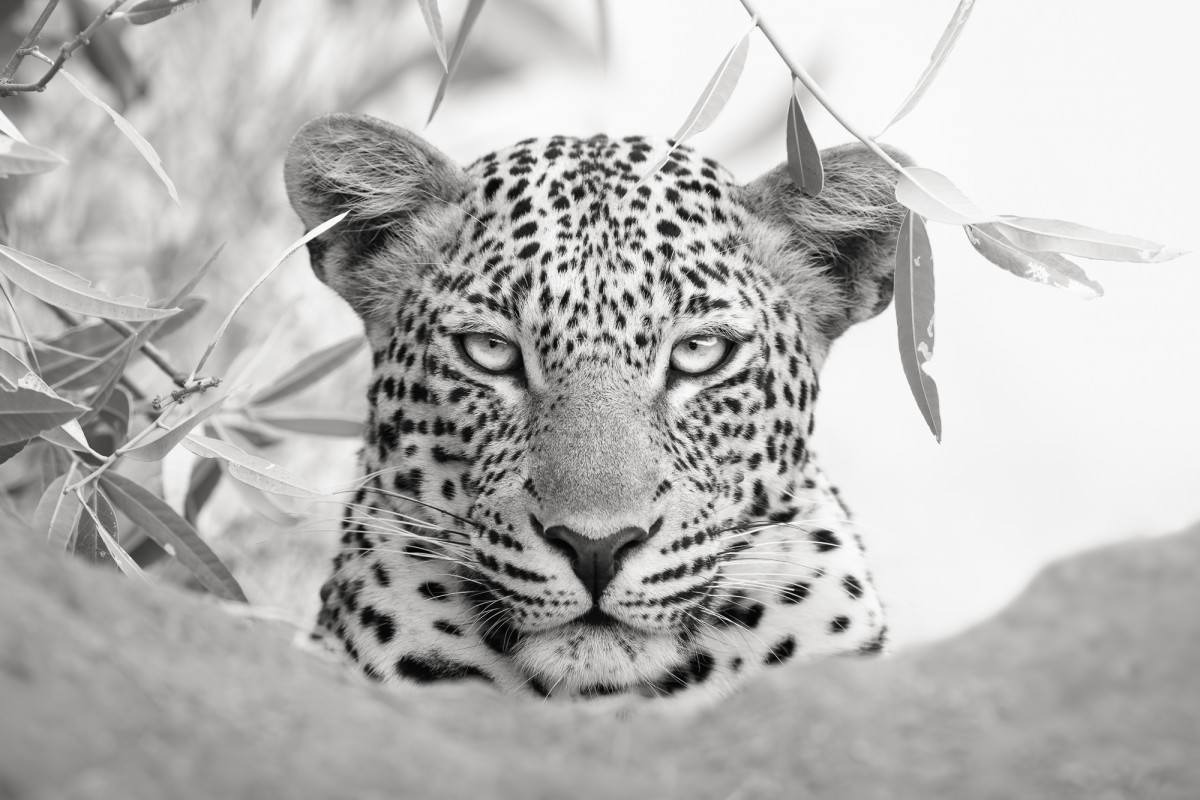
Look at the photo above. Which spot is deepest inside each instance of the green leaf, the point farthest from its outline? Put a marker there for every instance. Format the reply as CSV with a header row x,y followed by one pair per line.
x,y
1050,269
170,530
914,316
68,291
27,411
308,371
712,100
460,43
57,514
155,446
20,158
433,21
940,53
804,159
251,470
145,148
292,248
153,10
932,196
328,425
1056,236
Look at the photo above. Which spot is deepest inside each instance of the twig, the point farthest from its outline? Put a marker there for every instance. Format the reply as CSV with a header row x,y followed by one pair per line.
x,y
8,89
28,43
190,387
815,89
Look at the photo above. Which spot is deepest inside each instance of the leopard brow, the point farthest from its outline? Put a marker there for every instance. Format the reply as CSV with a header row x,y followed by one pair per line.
x,y
475,322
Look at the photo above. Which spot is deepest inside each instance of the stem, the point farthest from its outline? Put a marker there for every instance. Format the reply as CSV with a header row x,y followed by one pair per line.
x,y
7,89
814,88
28,43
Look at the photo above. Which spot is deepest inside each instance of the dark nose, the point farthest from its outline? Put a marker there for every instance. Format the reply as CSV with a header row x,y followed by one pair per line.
x,y
595,561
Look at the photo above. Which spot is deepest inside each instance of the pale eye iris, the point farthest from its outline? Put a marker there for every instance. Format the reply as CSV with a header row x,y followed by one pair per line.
x,y
699,354
491,353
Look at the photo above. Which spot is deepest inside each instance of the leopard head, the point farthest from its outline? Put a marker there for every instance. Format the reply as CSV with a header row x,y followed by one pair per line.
x,y
591,406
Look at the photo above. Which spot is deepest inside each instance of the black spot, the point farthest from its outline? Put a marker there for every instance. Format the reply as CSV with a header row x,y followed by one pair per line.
x,y
448,628
746,616
781,652
668,228
795,593
839,624
383,624
423,670
434,591
824,540
420,551
852,586
381,574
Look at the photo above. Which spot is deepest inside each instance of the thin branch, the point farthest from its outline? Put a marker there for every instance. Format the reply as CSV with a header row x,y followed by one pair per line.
x,y
8,89
813,87
28,43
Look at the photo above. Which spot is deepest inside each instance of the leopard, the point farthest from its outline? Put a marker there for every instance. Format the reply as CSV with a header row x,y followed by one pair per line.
x,y
586,466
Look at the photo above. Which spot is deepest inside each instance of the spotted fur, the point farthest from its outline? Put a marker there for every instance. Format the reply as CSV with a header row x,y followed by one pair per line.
x,y
745,559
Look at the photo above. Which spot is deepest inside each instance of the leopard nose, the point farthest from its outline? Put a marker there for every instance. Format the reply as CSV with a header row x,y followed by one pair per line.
x,y
595,561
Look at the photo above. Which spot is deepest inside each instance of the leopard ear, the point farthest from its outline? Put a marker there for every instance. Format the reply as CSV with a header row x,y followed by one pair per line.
x,y
398,190
835,251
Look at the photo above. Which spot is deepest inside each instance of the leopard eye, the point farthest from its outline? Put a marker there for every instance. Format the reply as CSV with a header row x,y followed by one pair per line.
x,y
491,353
697,355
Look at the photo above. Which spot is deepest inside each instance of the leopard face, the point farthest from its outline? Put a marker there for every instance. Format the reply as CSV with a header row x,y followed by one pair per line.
x,y
586,468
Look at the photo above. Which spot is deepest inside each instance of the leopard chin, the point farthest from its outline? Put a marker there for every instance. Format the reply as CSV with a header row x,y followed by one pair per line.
x,y
584,659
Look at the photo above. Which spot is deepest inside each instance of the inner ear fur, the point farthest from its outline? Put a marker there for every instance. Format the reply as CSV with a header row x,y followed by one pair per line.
x,y
836,252
400,192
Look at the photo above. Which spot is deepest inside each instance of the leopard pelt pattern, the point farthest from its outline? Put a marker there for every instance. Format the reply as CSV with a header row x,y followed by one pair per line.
x,y
586,470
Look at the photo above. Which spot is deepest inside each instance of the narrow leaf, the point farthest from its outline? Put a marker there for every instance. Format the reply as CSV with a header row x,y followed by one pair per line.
x,y
205,477
57,513
252,470
20,158
914,316
327,425
255,500
1056,236
193,281
143,147
27,411
9,129
308,371
460,42
1048,268
717,93
168,529
932,196
940,53
152,10
714,97
604,32
296,245
68,291
254,4
97,525
154,447
8,451
433,21
804,159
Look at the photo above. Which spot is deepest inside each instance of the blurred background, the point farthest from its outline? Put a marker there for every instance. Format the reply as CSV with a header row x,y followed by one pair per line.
x,y
1067,424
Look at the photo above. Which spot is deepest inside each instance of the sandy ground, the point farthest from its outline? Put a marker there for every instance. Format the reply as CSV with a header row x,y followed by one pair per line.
x,y
1087,687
